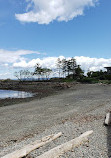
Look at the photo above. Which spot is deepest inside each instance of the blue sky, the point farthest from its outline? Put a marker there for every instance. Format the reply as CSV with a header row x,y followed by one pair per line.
x,y
45,31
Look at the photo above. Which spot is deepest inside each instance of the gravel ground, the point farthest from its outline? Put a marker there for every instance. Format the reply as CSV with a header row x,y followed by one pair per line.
x,y
72,112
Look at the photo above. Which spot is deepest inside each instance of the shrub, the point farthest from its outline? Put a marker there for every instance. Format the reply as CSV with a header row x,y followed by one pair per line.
x,y
88,80
108,77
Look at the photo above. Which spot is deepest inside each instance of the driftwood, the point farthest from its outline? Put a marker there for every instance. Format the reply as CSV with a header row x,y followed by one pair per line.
x,y
30,147
61,149
107,120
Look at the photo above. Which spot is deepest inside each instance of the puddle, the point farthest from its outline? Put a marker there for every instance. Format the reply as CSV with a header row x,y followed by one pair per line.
x,y
14,94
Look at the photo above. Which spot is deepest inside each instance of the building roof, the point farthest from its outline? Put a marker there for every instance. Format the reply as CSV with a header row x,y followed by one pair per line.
x,y
108,67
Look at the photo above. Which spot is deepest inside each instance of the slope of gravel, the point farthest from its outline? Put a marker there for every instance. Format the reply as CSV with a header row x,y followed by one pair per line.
x,y
87,113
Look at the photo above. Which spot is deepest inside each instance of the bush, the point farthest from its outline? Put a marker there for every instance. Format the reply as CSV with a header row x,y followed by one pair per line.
x,y
68,80
6,80
102,77
108,77
88,80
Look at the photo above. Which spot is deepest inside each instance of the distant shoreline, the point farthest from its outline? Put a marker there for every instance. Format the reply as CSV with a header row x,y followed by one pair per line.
x,y
39,89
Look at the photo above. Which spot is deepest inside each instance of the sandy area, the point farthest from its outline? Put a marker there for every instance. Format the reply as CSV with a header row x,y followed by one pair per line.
x,y
73,111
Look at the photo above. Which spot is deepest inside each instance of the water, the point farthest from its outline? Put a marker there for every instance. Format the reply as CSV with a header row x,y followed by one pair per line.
x,y
14,94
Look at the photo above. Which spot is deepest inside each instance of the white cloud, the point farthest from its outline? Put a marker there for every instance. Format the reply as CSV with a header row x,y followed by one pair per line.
x,y
49,62
87,63
45,11
4,74
7,56
92,64
10,60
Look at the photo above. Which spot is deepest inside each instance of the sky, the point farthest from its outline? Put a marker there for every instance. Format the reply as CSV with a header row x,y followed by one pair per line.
x,y
40,31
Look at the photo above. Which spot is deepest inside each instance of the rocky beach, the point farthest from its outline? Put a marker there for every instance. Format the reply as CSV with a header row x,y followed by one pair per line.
x,y
68,108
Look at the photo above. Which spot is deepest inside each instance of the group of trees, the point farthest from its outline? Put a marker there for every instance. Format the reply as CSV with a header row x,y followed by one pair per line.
x,y
42,72
69,68
100,75
96,76
23,75
39,72
64,68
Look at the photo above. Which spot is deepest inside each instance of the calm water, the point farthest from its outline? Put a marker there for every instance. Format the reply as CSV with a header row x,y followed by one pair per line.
x,y
14,94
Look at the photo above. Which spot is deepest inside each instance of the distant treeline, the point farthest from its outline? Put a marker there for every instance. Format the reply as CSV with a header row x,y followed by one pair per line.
x,y
66,70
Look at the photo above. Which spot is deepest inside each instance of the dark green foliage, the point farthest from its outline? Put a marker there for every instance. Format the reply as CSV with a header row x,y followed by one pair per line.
x,y
100,75
89,73
79,72
107,77
88,80
66,67
42,72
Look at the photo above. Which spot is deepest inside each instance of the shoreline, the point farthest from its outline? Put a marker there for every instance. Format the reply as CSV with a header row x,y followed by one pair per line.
x,y
39,89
